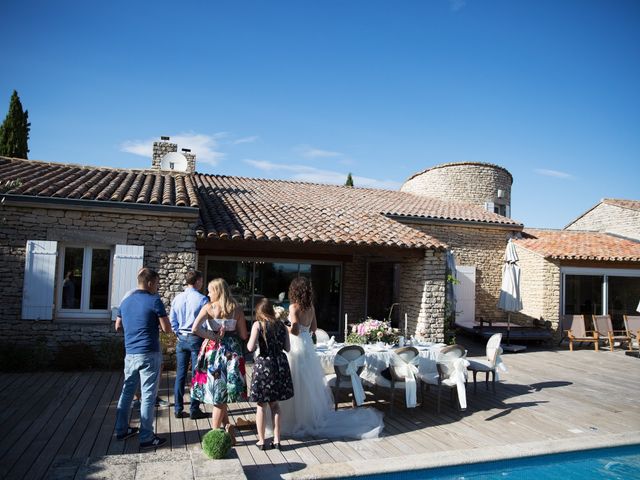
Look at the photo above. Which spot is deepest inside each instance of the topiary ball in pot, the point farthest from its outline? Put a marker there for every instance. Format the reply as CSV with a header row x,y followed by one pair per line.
x,y
216,444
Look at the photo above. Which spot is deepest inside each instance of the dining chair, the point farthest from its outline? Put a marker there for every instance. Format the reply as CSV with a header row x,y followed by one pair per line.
x,y
490,365
348,365
322,336
447,374
401,374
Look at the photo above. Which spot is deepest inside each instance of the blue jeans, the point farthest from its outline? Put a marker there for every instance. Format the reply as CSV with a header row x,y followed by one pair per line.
x,y
187,350
143,369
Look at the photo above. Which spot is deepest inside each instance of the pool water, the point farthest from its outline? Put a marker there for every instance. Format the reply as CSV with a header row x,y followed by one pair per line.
x,y
619,463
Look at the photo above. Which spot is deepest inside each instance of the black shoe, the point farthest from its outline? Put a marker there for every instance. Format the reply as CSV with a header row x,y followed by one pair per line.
x,y
155,442
198,414
161,403
180,414
131,431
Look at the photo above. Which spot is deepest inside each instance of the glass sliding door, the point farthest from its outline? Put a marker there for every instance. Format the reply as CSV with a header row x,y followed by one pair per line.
x,y
583,295
250,280
623,297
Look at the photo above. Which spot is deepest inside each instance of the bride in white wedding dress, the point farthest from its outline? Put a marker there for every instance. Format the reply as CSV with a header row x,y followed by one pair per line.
x,y
311,410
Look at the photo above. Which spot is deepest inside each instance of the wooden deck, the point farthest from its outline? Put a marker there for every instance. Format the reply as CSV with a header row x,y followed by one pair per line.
x,y
52,417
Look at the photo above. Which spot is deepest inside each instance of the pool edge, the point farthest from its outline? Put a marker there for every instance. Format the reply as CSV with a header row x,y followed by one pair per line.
x,y
450,458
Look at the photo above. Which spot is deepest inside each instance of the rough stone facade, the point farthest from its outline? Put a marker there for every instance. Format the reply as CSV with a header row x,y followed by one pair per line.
x,y
354,289
422,294
539,289
169,248
620,221
475,183
482,248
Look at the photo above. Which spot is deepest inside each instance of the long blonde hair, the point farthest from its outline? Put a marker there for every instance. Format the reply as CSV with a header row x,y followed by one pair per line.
x,y
222,296
265,315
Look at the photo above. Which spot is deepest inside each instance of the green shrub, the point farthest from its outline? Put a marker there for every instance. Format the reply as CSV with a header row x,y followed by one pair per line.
x,y
216,444
35,356
75,356
110,354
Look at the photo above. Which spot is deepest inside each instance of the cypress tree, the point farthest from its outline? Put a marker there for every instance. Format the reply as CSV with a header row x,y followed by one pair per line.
x,y
349,182
14,131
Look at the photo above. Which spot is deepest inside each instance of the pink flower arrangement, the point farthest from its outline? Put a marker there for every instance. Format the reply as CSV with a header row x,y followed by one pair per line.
x,y
372,330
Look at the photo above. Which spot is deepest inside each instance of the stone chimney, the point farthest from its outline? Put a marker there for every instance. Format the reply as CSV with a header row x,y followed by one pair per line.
x,y
167,158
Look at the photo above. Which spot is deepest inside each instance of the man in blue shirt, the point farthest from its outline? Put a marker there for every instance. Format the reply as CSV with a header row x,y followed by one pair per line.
x,y
140,315
184,310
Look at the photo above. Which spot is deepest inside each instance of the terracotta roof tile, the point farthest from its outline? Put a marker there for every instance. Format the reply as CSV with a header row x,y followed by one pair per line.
x,y
256,209
631,204
580,245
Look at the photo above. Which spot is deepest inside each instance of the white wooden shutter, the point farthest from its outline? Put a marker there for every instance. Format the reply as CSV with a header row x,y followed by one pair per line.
x,y
39,280
508,215
488,206
465,292
127,261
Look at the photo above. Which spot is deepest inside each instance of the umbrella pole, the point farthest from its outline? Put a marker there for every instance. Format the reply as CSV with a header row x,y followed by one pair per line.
x,y
508,327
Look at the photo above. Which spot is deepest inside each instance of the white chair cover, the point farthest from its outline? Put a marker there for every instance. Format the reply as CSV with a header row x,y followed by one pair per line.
x,y
499,364
408,370
352,370
458,374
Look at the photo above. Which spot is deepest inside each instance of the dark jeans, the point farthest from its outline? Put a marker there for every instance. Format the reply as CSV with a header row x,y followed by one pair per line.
x,y
187,350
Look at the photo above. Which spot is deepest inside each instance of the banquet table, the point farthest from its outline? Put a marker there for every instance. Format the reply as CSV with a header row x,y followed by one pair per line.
x,y
378,357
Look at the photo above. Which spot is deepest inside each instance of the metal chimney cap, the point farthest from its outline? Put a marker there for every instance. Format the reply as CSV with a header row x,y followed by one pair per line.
x,y
186,149
164,138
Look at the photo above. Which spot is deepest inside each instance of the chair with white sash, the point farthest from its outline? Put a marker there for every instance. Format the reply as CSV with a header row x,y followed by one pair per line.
x,y
322,336
348,364
401,374
451,373
491,364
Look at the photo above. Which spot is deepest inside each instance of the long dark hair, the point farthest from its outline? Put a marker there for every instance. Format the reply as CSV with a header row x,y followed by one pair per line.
x,y
301,292
265,315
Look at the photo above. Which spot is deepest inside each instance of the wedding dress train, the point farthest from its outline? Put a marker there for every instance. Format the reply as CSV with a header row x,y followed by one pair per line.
x,y
311,410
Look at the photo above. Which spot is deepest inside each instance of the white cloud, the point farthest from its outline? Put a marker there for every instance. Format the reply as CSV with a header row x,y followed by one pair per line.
x,y
552,173
250,139
457,5
304,173
311,152
204,146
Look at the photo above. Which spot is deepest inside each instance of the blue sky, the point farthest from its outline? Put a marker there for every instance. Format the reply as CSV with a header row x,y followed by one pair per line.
x,y
312,90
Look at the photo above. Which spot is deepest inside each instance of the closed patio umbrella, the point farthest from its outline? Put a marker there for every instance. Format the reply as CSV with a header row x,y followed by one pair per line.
x,y
510,300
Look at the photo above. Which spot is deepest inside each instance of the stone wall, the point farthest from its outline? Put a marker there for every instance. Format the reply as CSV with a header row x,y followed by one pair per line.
x,y
474,183
354,289
169,248
539,289
482,248
422,295
610,219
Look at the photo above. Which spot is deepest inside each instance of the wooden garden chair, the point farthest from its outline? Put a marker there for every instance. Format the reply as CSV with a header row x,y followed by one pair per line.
x,y
602,325
632,326
577,332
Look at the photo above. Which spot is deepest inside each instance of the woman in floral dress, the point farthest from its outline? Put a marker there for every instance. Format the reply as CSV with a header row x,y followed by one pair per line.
x,y
271,381
220,374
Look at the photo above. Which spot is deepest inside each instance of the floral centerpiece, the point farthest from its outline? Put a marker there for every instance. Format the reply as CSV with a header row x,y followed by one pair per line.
x,y
373,331
281,313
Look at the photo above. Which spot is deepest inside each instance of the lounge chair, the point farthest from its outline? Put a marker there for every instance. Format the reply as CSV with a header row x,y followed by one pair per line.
x,y
632,326
489,365
447,374
577,332
348,365
602,325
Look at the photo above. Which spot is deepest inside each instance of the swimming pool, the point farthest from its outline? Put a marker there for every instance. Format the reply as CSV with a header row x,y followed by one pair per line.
x,y
618,463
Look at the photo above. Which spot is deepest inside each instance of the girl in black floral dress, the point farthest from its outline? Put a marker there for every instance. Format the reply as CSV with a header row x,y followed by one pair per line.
x,y
271,374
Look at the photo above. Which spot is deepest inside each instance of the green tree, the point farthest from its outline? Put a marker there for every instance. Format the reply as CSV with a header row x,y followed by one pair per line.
x,y
14,131
349,182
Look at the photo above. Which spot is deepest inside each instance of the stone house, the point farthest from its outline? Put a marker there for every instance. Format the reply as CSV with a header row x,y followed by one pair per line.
x,y
72,238
578,272
615,216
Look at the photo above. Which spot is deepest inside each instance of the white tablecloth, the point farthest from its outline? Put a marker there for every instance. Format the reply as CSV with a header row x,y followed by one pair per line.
x,y
378,358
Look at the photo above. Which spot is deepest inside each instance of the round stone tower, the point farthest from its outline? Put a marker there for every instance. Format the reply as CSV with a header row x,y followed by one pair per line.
x,y
483,184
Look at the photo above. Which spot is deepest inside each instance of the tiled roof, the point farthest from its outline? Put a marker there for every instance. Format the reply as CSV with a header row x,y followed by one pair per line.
x,y
56,180
256,209
579,245
631,204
